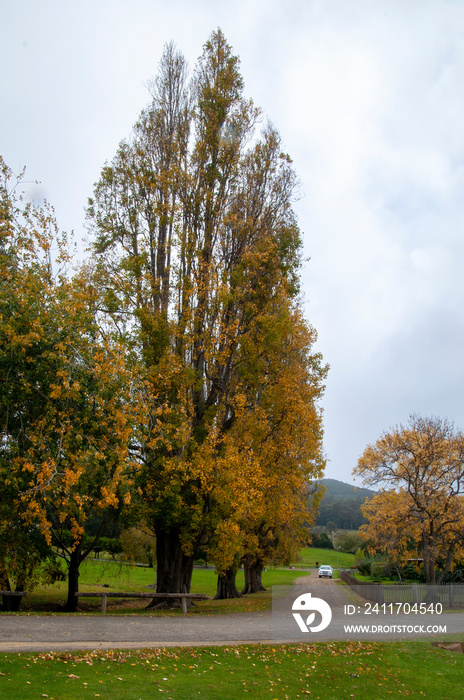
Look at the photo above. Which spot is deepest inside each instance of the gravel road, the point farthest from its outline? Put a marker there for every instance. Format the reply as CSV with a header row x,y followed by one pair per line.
x,y
61,632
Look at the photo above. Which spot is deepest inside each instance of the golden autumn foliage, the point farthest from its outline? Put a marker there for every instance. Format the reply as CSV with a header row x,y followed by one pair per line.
x,y
274,448
66,410
419,511
175,369
197,248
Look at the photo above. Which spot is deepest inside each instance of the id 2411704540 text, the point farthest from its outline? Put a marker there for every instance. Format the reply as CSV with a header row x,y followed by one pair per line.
x,y
394,608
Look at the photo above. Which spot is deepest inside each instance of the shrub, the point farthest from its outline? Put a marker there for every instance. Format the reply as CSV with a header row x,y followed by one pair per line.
x,y
138,546
348,542
321,541
52,572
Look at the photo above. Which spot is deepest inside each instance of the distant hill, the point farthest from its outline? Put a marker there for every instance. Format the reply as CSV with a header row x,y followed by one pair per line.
x,y
334,487
342,504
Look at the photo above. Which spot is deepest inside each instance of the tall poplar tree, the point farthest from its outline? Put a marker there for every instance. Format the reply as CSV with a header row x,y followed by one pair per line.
x,y
196,245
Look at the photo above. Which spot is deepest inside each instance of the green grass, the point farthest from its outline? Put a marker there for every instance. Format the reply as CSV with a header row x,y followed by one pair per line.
x,y
328,671
99,576
308,558
110,576
325,671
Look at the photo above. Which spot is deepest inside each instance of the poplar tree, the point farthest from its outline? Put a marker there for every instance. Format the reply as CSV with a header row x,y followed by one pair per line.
x,y
196,247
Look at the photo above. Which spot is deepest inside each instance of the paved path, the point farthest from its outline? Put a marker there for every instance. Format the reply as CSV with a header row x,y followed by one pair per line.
x,y
50,633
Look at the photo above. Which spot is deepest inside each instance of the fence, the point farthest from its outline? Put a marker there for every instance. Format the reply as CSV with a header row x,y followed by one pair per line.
x,y
450,595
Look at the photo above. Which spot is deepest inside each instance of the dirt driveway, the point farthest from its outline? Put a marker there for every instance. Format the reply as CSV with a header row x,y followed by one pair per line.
x,y
337,596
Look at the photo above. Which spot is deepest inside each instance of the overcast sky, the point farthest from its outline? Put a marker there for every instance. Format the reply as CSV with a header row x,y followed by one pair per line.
x,y
368,96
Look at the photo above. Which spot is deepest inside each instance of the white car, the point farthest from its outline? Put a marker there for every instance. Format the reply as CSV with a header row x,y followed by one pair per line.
x,y
325,571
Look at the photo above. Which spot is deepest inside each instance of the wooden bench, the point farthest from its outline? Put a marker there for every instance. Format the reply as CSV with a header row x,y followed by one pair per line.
x,y
183,597
11,594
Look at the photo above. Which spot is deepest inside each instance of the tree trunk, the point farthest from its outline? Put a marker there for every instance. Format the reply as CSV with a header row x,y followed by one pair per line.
x,y
10,603
253,569
13,603
73,578
20,585
429,561
226,586
4,585
174,568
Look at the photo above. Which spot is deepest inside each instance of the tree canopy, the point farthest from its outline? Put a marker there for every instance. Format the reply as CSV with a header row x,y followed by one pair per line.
x,y
175,369
419,510
65,403
198,249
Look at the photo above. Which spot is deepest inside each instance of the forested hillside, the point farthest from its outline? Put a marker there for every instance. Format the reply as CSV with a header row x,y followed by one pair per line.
x,y
342,504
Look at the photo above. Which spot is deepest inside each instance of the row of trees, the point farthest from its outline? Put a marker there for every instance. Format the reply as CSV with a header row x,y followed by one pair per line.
x,y
174,373
417,516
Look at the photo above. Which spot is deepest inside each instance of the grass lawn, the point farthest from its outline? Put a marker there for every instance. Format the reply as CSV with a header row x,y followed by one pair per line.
x,y
99,576
325,671
308,558
328,671
110,576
